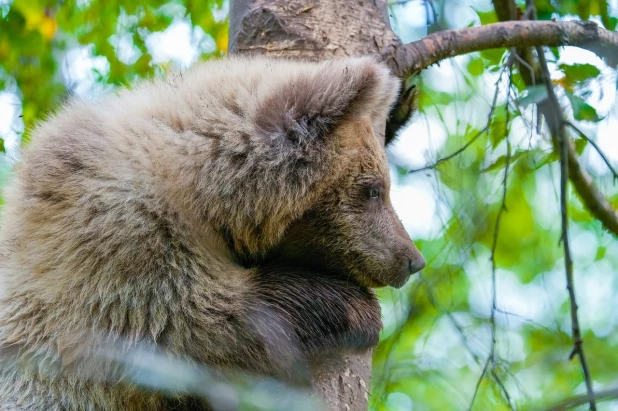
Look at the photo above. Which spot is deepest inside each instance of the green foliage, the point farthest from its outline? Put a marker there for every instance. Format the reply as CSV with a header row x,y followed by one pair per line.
x,y
581,110
36,34
433,354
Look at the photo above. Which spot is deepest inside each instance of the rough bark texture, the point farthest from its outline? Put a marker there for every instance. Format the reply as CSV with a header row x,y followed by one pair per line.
x,y
314,30
416,56
311,30
343,383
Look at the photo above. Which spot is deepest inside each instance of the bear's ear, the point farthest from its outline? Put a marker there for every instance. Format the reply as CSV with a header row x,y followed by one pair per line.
x,y
312,99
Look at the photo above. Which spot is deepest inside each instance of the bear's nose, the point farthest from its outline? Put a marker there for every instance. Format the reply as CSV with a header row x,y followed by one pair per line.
x,y
409,266
416,264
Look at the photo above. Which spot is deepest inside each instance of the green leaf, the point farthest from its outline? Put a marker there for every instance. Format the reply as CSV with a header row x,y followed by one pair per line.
x,y
582,111
580,145
600,253
535,95
579,73
551,157
493,55
501,161
497,132
476,67
488,17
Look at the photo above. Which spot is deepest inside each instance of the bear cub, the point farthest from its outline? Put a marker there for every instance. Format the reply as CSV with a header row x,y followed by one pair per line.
x,y
236,216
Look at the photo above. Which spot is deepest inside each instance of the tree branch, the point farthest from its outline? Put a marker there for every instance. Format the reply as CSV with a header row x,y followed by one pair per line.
x,y
491,358
413,57
562,141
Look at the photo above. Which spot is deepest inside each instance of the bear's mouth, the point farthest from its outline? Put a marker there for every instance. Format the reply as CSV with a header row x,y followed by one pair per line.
x,y
394,281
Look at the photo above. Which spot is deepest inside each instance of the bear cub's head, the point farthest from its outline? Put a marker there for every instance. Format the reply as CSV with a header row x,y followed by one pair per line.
x,y
352,230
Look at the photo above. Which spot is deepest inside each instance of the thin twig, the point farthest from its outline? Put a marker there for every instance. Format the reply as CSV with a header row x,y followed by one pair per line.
x,y
434,301
596,147
453,154
491,358
478,382
561,135
494,305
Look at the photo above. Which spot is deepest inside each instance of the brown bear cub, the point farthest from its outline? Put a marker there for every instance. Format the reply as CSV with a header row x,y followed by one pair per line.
x,y
235,216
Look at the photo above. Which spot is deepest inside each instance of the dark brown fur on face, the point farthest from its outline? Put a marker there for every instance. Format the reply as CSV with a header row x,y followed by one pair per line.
x,y
154,218
353,230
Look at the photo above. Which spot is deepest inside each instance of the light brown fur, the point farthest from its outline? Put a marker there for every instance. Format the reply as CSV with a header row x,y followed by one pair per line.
x,y
166,215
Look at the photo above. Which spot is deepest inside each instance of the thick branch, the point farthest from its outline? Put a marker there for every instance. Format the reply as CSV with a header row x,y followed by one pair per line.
x,y
414,57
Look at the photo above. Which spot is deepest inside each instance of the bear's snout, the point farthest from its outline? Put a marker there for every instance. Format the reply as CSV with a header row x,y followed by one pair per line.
x,y
410,262
407,258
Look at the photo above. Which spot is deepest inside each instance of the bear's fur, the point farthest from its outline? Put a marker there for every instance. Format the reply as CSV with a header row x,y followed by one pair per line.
x,y
234,216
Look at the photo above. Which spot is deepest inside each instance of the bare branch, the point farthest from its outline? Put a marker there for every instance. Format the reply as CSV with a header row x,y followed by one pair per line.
x,y
494,303
454,153
413,57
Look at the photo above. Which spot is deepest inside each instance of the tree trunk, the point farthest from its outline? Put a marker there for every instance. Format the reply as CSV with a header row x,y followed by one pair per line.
x,y
311,29
315,30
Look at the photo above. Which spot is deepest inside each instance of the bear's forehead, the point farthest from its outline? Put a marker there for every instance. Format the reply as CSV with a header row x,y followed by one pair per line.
x,y
361,134
366,150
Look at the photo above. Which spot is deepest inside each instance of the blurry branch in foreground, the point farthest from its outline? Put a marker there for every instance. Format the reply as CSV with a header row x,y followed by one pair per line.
x,y
115,360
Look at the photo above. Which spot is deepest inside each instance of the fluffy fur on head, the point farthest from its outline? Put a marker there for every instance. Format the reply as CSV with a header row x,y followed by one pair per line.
x,y
146,217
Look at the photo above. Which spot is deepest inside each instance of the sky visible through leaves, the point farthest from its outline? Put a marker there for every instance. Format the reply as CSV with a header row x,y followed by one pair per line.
x,y
437,334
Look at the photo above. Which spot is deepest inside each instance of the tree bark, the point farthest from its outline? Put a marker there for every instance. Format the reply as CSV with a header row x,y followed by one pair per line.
x,y
311,29
416,56
315,30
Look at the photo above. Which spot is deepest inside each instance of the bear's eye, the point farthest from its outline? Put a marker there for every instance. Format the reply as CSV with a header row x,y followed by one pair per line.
x,y
374,193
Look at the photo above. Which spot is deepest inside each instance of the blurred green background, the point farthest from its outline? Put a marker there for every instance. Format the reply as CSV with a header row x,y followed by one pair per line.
x,y
438,332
